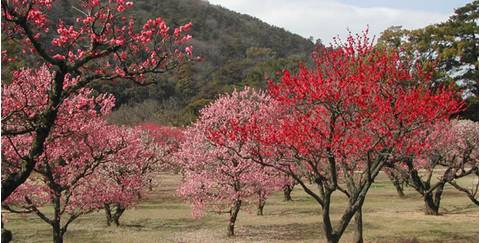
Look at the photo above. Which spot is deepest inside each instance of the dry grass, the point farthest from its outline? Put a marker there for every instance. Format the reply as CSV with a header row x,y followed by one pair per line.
x,y
165,218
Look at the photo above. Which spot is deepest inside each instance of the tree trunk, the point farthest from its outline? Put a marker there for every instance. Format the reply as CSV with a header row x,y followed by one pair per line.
x,y
108,214
358,233
354,210
399,189
261,204
432,202
57,233
287,191
397,184
330,235
118,213
431,208
6,234
334,235
233,217
116,221
56,226
150,185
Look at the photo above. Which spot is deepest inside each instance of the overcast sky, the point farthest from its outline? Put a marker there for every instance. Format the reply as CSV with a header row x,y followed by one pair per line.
x,y
325,19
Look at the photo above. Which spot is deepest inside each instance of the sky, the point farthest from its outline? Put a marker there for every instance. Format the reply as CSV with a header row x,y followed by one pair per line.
x,y
326,19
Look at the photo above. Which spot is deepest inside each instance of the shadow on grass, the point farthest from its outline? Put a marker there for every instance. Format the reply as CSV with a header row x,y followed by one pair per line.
x,y
172,225
295,231
34,236
162,206
452,239
460,209
312,232
295,211
136,226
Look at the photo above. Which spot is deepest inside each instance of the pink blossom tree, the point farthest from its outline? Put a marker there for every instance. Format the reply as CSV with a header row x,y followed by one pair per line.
x,y
165,141
265,183
453,147
466,134
216,172
130,175
102,43
287,187
135,167
71,173
155,153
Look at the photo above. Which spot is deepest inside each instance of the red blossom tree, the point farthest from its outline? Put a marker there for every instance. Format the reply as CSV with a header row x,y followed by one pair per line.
x,y
84,161
102,43
341,122
216,172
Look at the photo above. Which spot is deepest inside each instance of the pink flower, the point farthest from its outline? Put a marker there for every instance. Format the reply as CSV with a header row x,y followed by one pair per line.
x,y
188,50
59,57
121,8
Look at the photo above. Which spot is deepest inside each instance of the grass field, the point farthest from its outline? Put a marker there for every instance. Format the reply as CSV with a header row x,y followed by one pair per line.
x,y
165,218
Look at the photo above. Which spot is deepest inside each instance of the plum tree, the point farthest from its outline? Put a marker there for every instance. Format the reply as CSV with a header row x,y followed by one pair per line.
x,y
85,163
217,173
101,43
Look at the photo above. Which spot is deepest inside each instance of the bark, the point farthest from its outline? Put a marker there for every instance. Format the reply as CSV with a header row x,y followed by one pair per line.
x,y
57,233
56,223
233,217
473,199
6,234
472,194
399,189
261,204
430,206
108,214
327,224
358,227
397,184
334,235
287,191
118,213
432,201
115,216
354,208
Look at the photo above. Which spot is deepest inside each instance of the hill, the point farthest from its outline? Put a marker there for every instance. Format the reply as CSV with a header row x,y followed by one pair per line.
x,y
236,50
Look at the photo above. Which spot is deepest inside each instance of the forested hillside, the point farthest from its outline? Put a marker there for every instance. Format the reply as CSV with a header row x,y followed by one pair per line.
x,y
234,50
238,50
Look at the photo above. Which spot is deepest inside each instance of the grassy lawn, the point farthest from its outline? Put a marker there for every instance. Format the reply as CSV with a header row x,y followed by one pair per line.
x,y
163,217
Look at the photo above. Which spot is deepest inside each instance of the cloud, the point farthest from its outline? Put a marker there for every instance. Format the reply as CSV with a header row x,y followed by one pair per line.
x,y
325,19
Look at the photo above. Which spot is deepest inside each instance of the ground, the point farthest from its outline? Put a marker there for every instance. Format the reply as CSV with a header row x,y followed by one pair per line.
x,y
163,217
